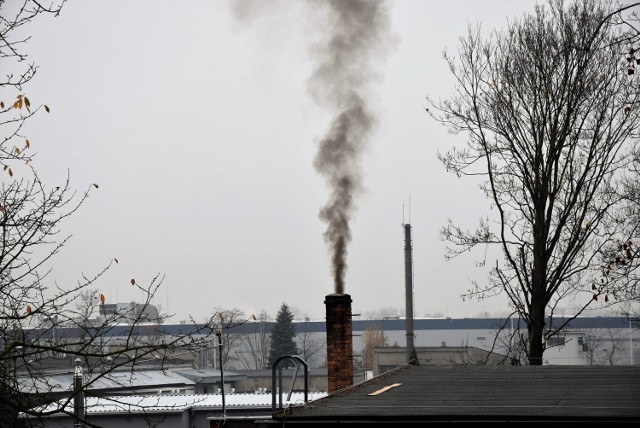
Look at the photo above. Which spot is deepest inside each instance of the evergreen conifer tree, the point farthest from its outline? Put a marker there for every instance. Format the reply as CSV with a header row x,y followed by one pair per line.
x,y
282,336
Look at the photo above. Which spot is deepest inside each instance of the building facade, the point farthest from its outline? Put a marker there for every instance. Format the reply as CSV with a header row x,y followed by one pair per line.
x,y
583,341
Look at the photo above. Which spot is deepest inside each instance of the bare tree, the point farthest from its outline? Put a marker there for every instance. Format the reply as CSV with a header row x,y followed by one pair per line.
x,y
34,312
509,340
550,106
621,259
87,304
603,346
372,337
228,321
254,352
309,344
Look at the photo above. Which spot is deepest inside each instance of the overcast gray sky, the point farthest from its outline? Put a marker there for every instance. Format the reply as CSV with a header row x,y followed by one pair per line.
x,y
198,124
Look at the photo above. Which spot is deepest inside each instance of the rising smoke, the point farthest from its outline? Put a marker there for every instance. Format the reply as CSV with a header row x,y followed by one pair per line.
x,y
356,39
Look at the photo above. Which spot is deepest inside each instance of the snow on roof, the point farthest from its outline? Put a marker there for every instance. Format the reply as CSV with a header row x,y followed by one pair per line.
x,y
114,380
180,403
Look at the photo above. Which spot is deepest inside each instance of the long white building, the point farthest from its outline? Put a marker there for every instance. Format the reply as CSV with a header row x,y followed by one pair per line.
x,y
584,341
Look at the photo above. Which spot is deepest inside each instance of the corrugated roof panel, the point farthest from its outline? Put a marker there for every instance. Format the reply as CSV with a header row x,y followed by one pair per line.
x,y
113,380
180,403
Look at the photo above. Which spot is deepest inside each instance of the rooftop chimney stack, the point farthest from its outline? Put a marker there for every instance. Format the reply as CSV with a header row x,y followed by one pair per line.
x,y
412,357
339,341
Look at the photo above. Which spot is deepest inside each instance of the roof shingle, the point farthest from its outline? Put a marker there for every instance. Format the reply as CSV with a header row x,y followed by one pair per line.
x,y
466,392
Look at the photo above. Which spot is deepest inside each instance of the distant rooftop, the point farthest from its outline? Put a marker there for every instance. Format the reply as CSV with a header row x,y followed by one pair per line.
x,y
178,403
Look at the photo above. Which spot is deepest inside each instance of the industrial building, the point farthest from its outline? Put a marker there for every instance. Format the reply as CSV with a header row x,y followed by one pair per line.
x,y
446,350
584,341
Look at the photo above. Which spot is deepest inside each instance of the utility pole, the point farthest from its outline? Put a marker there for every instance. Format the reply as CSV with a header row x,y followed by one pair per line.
x,y
78,398
219,334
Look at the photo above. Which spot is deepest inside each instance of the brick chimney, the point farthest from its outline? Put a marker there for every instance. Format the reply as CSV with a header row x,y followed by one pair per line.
x,y
339,341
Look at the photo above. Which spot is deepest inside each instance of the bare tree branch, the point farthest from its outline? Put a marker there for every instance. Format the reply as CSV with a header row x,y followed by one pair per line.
x,y
551,108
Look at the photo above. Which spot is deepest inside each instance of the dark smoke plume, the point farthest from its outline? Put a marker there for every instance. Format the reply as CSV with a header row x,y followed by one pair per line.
x,y
356,38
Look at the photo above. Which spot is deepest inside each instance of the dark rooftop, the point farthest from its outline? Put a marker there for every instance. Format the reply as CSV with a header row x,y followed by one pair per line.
x,y
481,394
